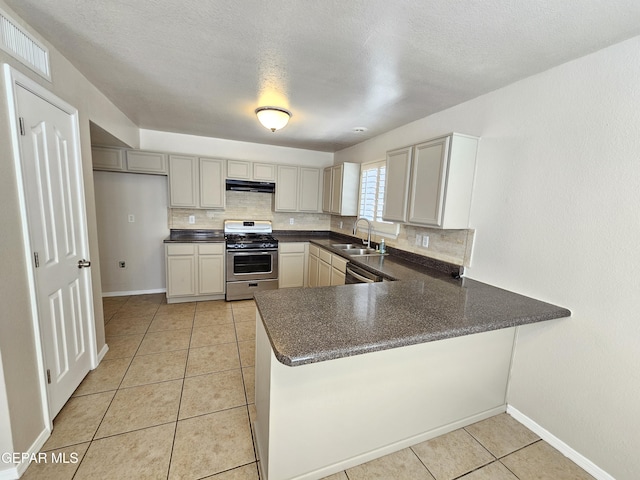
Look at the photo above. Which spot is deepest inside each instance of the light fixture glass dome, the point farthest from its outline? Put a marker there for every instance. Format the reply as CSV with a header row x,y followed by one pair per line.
x,y
273,118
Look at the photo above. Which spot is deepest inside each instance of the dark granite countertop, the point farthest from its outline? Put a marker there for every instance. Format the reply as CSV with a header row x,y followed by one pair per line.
x,y
313,325
195,236
307,325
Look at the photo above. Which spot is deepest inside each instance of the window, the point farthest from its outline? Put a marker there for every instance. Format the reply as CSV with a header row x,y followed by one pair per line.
x,y
372,183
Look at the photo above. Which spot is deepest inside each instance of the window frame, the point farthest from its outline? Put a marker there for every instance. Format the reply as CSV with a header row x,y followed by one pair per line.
x,y
378,226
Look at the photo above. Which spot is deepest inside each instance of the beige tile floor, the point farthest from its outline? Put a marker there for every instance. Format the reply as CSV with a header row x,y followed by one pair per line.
x,y
174,399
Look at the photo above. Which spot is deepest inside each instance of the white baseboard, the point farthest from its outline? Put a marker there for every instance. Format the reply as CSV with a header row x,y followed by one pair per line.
x,y
14,472
102,353
134,292
579,459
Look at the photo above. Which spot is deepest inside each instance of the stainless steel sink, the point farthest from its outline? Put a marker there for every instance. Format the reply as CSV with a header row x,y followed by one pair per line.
x,y
346,246
355,250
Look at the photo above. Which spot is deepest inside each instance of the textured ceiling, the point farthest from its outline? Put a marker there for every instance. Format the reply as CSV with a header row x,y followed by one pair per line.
x,y
203,66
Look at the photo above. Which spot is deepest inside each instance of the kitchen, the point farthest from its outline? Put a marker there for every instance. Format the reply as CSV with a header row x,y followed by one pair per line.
x,y
555,219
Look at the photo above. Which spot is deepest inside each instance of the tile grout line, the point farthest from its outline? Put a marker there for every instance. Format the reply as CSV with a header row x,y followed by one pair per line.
x,y
184,377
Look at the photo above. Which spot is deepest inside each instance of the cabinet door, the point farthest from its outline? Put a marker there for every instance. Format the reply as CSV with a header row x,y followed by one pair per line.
x,y
287,189
183,181
313,271
309,189
212,183
147,162
181,275
324,274
240,169
336,189
397,185
211,274
110,159
264,172
291,270
326,189
337,277
428,177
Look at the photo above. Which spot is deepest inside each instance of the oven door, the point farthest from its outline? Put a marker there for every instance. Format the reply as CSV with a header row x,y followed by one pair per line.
x,y
254,265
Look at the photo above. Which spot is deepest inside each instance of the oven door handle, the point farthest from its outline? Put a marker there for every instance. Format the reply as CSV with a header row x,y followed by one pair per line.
x,y
244,253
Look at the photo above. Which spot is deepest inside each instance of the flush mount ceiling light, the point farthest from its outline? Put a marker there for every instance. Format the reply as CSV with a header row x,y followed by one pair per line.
x,y
273,118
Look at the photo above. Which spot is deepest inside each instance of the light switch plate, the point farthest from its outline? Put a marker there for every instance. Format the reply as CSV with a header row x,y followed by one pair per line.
x,y
425,241
192,219
418,239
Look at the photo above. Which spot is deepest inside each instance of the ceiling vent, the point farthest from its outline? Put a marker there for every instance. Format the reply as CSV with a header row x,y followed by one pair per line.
x,y
19,44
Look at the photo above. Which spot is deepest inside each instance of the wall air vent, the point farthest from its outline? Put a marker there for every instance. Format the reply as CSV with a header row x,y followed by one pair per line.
x,y
21,45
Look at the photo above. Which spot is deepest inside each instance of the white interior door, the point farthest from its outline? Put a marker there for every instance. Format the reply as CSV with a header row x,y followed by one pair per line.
x,y
54,200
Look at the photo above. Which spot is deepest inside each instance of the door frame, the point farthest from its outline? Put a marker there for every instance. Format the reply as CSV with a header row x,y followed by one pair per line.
x,y
13,79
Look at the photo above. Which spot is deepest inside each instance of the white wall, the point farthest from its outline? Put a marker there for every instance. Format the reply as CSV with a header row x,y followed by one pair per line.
x,y
231,149
556,207
21,384
138,243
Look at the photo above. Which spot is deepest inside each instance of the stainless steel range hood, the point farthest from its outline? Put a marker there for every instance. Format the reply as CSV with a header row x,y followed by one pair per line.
x,y
249,186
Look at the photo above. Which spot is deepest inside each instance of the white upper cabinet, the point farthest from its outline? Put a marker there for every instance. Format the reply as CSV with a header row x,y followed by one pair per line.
x,y
297,189
146,162
340,191
309,189
264,172
110,159
245,170
396,194
431,183
196,182
239,169
133,161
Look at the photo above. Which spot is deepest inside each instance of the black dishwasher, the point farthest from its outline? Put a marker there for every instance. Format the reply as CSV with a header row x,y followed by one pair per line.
x,y
356,274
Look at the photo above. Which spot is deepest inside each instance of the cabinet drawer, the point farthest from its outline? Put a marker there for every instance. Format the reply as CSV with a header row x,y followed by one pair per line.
x,y
181,249
211,249
314,250
292,247
339,263
325,256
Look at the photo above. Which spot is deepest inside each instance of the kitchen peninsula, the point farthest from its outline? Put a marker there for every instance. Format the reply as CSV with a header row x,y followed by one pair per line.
x,y
350,373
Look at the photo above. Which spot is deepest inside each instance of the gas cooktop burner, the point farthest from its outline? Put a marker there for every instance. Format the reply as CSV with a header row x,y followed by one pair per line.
x,y
249,235
250,242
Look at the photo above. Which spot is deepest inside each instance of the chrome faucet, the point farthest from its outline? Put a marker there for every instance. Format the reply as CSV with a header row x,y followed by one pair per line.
x,y
355,228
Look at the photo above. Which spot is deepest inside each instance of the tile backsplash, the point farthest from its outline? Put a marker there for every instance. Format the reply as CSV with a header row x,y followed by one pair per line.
x,y
453,246
247,205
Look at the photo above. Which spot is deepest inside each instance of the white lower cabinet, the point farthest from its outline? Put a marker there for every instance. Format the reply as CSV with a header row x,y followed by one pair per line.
x,y
292,264
195,272
325,268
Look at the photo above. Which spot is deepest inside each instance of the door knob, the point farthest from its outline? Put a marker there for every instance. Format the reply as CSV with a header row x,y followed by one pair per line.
x,y
84,263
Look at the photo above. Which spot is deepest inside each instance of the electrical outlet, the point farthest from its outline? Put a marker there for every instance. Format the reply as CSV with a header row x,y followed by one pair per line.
x,y
291,221
425,241
418,239
132,218
122,264
341,222
192,219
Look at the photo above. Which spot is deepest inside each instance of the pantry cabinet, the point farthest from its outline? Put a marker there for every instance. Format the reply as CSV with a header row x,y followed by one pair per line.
x,y
430,184
340,189
195,271
196,182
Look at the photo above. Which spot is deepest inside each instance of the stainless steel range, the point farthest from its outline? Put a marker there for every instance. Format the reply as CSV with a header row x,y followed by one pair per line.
x,y
252,258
